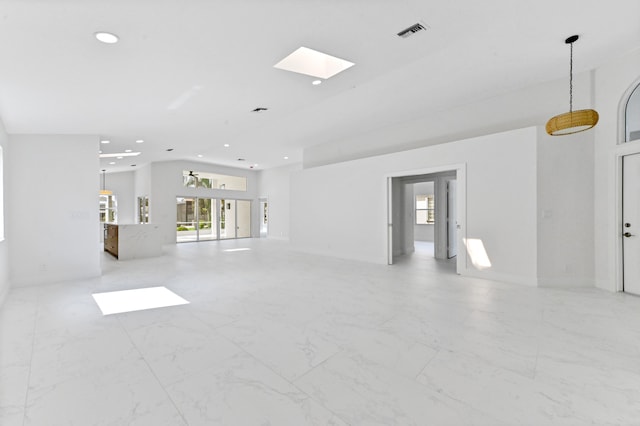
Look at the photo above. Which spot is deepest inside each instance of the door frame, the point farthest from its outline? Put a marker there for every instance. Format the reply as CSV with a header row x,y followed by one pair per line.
x,y
461,177
622,149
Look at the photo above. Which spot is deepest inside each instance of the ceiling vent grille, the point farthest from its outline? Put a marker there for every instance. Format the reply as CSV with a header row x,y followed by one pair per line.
x,y
412,30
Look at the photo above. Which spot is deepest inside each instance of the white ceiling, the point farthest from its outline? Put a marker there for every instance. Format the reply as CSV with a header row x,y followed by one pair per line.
x,y
186,74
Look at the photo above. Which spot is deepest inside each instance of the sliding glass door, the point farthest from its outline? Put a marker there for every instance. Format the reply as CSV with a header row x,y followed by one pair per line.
x,y
186,220
196,219
207,225
227,219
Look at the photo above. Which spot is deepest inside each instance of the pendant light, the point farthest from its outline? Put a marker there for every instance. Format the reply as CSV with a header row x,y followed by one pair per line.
x,y
104,191
572,121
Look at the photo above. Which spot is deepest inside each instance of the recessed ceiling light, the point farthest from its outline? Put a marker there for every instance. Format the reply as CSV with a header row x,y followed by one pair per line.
x,y
119,155
226,145
311,62
105,37
200,155
105,141
112,163
100,152
139,141
316,82
286,158
127,150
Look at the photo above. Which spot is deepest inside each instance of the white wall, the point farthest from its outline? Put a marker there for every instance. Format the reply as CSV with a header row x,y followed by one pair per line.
x,y
275,187
123,186
53,208
423,232
166,185
4,201
565,210
500,211
531,106
613,81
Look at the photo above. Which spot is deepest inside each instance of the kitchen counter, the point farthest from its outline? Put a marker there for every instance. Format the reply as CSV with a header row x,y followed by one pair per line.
x,y
132,241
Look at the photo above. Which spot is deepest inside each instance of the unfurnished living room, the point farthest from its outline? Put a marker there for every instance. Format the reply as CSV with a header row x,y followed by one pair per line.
x,y
316,212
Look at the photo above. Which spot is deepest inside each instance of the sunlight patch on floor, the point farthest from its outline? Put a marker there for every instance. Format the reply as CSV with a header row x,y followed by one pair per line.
x,y
116,302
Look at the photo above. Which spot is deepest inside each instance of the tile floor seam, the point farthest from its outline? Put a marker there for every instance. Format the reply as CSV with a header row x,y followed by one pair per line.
x,y
195,373
427,364
209,325
153,373
33,344
292,382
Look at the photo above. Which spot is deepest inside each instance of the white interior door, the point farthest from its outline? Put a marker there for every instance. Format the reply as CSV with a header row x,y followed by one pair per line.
x,y
631,223
452,224
243,219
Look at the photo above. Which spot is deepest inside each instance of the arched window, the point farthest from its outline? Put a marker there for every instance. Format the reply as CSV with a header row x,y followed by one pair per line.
x,y
632,116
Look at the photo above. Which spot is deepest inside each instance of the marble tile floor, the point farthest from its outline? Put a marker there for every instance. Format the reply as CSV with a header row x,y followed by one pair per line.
x,y
276,337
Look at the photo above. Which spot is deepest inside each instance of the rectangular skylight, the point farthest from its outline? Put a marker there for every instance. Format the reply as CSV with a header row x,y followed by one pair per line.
x,y
311,62
116,302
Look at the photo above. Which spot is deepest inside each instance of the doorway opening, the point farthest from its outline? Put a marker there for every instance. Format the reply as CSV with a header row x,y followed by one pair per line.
x,y
426,216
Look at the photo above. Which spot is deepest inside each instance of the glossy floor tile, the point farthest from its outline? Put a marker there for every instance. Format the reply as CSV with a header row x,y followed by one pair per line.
x,y
276,337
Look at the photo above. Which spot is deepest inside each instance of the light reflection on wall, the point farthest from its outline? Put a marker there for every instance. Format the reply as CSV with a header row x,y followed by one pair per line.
x,y
477,253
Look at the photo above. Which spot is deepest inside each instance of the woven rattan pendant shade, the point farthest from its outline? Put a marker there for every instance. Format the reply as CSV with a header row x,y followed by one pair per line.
x,y
572,121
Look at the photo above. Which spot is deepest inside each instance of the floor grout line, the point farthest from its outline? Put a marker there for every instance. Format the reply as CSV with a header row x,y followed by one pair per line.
x,y
153,373
33,344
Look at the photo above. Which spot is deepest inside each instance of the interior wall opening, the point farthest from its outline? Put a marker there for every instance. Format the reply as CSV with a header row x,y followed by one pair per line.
x,y
424,221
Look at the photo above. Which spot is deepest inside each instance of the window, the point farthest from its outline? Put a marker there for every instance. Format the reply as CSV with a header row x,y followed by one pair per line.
x,y
425,210
191,179
108,209
143,209
632,116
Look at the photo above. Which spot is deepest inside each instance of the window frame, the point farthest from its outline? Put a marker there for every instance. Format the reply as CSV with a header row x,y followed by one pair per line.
x,y
429,208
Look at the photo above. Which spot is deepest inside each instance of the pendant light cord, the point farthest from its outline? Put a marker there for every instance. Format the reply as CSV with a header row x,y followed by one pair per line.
x,y
571,79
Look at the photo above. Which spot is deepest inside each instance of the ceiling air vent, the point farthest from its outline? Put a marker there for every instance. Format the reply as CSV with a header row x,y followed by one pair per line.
x,y
411,30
